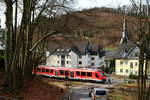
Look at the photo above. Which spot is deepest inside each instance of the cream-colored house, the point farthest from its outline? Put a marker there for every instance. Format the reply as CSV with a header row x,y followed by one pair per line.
x,y
125,67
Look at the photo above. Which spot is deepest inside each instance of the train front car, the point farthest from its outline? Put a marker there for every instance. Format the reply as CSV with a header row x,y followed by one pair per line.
x,y
101,77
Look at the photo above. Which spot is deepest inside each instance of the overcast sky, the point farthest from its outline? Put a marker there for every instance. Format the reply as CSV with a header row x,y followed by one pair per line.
x,y
84,4
81,4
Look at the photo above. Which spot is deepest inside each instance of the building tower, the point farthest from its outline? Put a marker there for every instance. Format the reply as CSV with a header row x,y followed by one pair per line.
x,y
124,38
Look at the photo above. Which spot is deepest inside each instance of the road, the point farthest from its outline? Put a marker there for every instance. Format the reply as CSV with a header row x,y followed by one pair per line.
x,y
82,92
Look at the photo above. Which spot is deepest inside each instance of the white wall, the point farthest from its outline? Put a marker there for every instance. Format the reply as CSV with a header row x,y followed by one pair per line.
x,y
74,59
68,59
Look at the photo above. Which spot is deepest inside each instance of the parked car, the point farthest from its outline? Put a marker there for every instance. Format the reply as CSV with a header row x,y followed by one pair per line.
x,y
99,94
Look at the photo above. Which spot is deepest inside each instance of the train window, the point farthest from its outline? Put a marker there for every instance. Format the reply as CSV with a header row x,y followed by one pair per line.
x,y
78,73
89,74
66,72
96,75
61,72
38,69
43,70
51,71
47,70
83,73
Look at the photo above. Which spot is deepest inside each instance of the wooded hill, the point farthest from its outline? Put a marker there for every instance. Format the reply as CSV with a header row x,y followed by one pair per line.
x,y
99,25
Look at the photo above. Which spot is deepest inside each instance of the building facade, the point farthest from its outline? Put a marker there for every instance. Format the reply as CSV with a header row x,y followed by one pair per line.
x,y
125,67
73,57
127,56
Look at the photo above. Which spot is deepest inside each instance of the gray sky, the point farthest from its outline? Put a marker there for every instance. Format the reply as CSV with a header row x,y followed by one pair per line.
x,y
79,5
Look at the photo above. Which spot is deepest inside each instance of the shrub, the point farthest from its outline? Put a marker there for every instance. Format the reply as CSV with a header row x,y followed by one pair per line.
x,y
133,76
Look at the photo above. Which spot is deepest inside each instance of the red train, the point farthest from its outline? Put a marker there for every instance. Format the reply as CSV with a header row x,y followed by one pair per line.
x,y
71,73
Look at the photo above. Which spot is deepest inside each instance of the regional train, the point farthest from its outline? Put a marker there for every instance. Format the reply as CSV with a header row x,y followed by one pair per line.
x,y
82,74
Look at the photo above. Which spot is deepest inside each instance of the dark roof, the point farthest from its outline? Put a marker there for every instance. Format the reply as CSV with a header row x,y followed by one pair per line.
x,y
127,46
81,49
125,50
61,52
76,50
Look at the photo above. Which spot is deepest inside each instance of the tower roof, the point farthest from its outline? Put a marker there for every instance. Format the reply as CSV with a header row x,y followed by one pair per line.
x,y
125,33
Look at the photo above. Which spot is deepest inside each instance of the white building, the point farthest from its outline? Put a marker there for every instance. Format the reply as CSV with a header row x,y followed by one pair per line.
x,y
74,57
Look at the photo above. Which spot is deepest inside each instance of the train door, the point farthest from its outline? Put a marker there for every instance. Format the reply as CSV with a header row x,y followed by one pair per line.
x,y
66,74
56,73
72,74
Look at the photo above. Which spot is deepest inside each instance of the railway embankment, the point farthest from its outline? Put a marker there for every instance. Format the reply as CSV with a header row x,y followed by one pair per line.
x,y
36,89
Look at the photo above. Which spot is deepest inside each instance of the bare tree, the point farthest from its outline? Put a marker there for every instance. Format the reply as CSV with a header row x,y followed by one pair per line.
x,y
142,11
20,43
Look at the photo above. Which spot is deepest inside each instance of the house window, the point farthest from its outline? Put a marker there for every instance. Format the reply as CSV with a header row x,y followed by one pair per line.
x,y
92,64
67,62
62,57
126,62
126,71
136,64
121,62
136,72
80,62
58,56
131,64
92,58
121,70
58,62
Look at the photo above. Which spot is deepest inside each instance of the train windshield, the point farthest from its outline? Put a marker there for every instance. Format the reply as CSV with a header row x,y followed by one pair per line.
x,y
102,73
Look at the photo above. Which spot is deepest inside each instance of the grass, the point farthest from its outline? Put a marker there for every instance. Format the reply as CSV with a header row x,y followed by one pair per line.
x,y
117,98
60,83
111,48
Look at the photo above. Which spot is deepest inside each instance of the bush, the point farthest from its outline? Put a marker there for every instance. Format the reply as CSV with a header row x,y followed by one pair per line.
x,y
132,76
